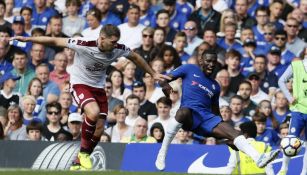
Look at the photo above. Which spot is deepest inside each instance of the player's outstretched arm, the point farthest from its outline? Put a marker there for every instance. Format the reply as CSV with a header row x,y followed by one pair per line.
x,y
54,41
166,88
139,61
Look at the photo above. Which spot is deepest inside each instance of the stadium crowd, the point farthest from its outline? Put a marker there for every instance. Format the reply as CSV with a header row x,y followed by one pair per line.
x,y
255,41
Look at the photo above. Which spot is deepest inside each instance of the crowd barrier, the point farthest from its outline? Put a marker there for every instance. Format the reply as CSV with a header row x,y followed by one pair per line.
x,y
126,157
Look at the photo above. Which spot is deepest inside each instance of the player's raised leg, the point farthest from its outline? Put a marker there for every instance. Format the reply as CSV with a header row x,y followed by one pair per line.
x,y
182,116
224,130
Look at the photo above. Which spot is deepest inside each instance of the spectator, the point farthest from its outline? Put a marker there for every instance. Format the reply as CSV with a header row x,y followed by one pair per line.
x,y
146,14
157,132
232,61
28,106
5,34
5,66
191,30
34,131
93,18
274,65
51,90
65,99
131,29
294,43
41,14
120,129
139,133
210,141
35,89
228,16
118,89
147,109
206,17
112,102
262,17
269,33
164,106
74,125
177,19
15,130
228,42
37,57
3,22
170,58
244,20
55,27
7,96
157,65
163,21
105,138
182,137
26,13
73,23
283,130
108,17
226,114
245,90
9,10
184,7
281,110
179,43
133,106
265,134
269,81
280,41
210,37
129,74
20,62
223,78
145,50
159,41
3,117
265,108
53,129
257,94
59,75
236,106
275,11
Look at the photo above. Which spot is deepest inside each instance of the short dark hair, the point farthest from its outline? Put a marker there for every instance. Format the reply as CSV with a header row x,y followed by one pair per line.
x,y
19,52
236,97
55,105
259,117
249,128
95,12
233,53
166,101
3,3
263,9
132,96
209,52
162,11
245,82
38,30
132,6
281,32
110,30
8,30
35,125
73,2
26,8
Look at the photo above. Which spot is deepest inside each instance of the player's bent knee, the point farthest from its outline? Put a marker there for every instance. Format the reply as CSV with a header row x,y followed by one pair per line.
x,y
183,114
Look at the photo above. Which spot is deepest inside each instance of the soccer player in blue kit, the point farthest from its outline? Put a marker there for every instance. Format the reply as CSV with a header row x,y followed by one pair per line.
x,y
199,111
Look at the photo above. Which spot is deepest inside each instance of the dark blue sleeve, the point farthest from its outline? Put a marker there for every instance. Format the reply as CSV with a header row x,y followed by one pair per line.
x,y
181,71
217,94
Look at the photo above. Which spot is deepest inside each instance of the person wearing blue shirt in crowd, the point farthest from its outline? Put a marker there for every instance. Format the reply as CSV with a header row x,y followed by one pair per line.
x,y
262,18
281,111
254,5
280,41
85,7
184,7
199,110
18,4
229,42
276,8
41,14
146,13
274,64
5,66
18,27
108,17
265,134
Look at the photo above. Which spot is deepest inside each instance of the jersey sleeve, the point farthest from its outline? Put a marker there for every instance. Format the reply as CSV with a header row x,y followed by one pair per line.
x,y
181,71
122,50
80,44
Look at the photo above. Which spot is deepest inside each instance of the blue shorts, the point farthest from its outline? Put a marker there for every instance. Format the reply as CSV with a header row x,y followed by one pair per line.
x,y
204,122
297,123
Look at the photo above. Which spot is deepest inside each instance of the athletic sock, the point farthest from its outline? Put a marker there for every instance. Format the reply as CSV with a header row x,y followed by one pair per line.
x,y
170,132
242,144
94,142
304,169
88,129
285,163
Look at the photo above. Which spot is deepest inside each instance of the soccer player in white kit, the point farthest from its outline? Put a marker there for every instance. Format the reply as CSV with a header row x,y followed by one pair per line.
x,y
87,78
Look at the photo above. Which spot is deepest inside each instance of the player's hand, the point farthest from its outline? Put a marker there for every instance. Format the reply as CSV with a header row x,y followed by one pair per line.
x,y
167,89
19,38
161,77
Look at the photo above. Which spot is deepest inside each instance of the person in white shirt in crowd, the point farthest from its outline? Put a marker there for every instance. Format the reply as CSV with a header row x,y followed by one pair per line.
x,y
93,18
164,106
175,97
131,31
190,29
120,129
133,106
257,94
74,125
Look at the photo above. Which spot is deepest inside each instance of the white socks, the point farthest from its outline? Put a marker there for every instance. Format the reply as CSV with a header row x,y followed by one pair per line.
x,y
304,169
241,143
285,163
170,132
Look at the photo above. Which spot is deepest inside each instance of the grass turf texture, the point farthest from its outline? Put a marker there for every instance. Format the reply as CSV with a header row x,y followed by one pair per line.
x,y
40,172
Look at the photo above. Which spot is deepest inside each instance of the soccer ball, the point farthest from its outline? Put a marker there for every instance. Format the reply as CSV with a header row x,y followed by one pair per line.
x,y
291,145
